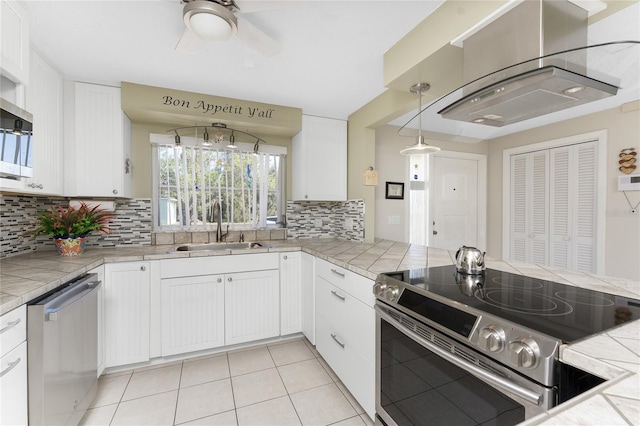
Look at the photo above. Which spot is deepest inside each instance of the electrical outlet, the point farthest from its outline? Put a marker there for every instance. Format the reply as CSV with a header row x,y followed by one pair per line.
x,y
317,223
348,224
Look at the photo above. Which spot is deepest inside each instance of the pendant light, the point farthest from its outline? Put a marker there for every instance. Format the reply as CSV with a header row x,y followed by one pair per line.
x,y
420,147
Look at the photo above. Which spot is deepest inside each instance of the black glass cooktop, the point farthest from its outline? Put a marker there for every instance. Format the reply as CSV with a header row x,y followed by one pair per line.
x,y
561,311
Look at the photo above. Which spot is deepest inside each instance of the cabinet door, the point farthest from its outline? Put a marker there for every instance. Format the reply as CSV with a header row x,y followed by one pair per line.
x,y
308,297
290,293
529,207
126,313
14,49
252,306
13,386
320,160
192,314
95,143
100,272
44,101
573,202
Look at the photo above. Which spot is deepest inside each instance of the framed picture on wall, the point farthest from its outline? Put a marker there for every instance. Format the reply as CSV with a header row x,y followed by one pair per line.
x,y
394,191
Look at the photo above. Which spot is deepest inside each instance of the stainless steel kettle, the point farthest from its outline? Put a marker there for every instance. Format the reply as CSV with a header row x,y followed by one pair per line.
x,y
470,260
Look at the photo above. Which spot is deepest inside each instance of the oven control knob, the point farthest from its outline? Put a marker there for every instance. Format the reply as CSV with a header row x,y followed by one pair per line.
x,y
491,338
392,293
524,353
378,288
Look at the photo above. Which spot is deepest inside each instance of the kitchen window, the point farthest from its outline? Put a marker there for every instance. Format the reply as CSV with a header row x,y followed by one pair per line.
x,y
190,178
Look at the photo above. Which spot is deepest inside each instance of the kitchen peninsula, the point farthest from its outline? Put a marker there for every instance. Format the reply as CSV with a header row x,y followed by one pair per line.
x,y
613,355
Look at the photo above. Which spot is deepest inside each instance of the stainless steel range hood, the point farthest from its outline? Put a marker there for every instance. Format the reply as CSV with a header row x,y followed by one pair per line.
x,y
532,29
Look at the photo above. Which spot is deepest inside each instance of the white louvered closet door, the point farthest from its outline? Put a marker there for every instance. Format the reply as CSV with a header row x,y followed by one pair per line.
x,y
529,207
573,204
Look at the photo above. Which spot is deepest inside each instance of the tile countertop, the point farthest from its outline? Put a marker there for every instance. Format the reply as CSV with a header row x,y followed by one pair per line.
x,y
614,355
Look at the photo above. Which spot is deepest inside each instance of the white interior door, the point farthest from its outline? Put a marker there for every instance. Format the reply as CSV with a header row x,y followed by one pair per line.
x,y
457,202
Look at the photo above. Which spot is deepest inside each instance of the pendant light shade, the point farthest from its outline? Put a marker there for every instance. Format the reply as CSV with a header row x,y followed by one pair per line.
x,y
420,146
209,21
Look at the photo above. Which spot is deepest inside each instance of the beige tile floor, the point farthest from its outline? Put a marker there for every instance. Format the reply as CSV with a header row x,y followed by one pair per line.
x,y
285,383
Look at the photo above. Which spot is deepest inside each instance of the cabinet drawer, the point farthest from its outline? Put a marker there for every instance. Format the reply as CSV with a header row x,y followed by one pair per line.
x,y
354,284
211,265
354,320
356,372
13,326
13,386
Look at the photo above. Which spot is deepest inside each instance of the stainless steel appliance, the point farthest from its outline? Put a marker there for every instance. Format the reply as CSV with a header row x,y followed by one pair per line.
x,y
16,141
455,350
62,328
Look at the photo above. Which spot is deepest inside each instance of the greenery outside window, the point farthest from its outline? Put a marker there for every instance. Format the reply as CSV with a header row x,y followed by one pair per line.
x,y
190,178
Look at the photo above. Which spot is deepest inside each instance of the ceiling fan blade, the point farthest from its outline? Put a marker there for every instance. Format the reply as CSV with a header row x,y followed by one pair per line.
x,y
189,42
256,38
250,6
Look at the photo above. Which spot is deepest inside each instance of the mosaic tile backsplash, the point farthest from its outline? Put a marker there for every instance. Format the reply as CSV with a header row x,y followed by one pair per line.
x,y
131,225
309,219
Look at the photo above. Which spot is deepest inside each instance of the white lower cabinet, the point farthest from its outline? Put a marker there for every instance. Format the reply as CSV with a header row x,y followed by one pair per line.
x,y
308,297
99,271
345,329
13,367
192,314
126,313
252,306
290,293
209,302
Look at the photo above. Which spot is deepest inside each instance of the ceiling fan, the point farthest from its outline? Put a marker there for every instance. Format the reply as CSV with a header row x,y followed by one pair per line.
x,y
218,20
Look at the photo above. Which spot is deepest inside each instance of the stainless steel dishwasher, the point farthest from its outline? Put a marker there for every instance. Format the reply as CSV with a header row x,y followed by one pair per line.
x,y
62,329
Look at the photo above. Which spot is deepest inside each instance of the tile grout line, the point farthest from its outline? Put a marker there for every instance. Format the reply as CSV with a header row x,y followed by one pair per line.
x,y
285,387
175,410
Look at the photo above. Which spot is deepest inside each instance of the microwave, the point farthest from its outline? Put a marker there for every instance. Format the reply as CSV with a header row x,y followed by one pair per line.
x,y
16,141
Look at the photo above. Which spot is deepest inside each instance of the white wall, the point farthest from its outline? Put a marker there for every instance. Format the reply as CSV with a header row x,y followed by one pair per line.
x,y
393,167
622,228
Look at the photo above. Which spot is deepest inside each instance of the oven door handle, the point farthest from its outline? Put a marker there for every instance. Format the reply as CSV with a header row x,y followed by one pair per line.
x,y
497,381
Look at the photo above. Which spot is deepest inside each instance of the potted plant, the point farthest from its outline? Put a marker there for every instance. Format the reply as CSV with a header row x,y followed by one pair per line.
x,y
69,226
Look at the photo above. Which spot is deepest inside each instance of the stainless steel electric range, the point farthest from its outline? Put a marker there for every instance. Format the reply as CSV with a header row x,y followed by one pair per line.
x,y
481,349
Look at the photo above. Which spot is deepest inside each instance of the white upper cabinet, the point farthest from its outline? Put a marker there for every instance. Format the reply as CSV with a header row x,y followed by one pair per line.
x,y
97,142
14,41
44,101
320,160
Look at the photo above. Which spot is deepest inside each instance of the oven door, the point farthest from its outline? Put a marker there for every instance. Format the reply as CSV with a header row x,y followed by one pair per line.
x,y
424,377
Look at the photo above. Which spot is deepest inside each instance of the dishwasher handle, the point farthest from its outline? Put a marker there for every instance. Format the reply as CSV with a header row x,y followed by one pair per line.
x,y
67,297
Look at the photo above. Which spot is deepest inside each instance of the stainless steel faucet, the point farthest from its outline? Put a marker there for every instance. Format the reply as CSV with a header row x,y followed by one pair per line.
x,y
219,234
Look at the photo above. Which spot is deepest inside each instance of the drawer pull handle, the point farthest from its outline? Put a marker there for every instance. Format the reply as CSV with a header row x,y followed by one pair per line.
x,y
10,325
338,272
338,296
337,341
10,366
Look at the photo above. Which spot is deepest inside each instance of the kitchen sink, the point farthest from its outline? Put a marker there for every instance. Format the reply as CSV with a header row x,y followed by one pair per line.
x,y
218,246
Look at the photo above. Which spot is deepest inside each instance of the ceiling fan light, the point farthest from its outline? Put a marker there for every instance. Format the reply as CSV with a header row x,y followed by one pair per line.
x,y
210,21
